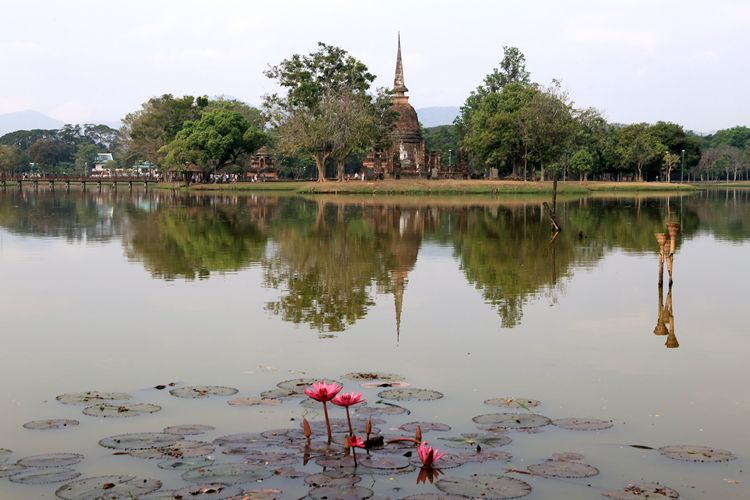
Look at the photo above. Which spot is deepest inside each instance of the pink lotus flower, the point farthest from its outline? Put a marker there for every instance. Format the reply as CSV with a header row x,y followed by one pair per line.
x,y
356,442
428,455
348,400
323,392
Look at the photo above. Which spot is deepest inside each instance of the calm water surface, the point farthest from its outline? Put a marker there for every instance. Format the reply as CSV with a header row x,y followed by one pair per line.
x,y
469,297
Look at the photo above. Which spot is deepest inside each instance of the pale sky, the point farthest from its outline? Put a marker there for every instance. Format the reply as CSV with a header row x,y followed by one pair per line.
x,y
636,60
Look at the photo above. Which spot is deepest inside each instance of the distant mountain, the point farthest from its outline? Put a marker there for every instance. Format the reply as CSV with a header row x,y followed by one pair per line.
x,y
437,115
27,120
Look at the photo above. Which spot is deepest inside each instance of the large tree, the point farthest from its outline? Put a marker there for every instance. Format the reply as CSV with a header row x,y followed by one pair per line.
x,y
638,146
325,91
10,158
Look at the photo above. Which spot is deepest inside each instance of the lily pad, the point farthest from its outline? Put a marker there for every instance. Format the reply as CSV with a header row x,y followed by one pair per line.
x,y
381,410
690,453
91,397
384,462
512,420
185,463
10,469
278,393
188,429
447,461
410,394
484,486
52,423
332,477
561,468
105,410
471,440
485,455
202,391
4,453
290,473
524,403
248,439
340,493
433,496
254,402
180,449
298,385
228,474
640,490
425,426
209,491
568,456
51,460
372,376
45,476
262,494
583,424
383,385
343,463
271,458
140,440
107,487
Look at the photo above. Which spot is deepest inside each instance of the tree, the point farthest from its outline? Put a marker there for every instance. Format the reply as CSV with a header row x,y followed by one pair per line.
x,y
85,157
216,139
319,87
582,162
44,153
10,158
637,146
669,161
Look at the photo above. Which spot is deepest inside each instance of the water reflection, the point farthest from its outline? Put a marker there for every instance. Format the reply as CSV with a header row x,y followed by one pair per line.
x,y
330,258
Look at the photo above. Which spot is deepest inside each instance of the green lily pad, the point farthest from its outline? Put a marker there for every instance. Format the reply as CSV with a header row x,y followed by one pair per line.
x,y
425,426
524,403
343,463
384,462
332,477
691,453
271,458
51,460
45,476
254,402
298,385
340,493
371,376
107,487
561,468
105,410
262,494
52,423
140,440
188,429
180,449
380,410
568,456
228,474
512,420
202,391
249,439
209,491
484,486
640,490
471,440
583,424
486,455
383,385
185,463
410,394
92,397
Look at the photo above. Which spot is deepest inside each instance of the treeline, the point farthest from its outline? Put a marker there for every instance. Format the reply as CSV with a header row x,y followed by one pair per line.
x,y
329,117
527,130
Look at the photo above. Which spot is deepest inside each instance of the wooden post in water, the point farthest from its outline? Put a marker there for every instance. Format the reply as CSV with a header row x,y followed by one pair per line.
x,y
551,211
661,240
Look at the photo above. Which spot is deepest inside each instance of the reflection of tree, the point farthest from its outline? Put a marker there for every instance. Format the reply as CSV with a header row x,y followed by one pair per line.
x,y
192,239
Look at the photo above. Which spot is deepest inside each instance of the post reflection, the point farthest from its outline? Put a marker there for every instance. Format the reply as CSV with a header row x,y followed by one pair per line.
x,y
665,325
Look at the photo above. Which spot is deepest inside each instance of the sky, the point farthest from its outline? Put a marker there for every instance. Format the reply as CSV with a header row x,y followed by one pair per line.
x,y
635,60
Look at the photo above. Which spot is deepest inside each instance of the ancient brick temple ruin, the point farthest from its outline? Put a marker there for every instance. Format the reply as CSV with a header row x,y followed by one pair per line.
x,y
407,155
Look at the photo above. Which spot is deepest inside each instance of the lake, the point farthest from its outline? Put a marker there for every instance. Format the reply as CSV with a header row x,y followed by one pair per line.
x,y
471,297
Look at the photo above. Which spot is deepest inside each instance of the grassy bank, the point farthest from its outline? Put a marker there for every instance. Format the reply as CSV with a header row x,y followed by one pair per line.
x,y
447,187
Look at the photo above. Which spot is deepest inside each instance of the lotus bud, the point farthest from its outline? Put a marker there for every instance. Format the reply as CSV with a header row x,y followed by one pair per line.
x,y
418,434
368,427
307,429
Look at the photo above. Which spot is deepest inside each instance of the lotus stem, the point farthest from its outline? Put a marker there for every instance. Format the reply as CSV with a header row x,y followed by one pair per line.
x,y
328,424
349,421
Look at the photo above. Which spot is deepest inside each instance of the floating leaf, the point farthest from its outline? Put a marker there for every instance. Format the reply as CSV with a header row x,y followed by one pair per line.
x,y
298,385
343,463
410,394
561,468
381,410
568,456
159,495
524,403
51,460
249,439
106,487
583,424
10,469
105,410
91,397
485,455
280,394
332,477
690,453
228,474
482,485
384,462
4,453
379,385
471,440
180,449
447,461
512,420
188,429
140,440
290,473
433,496
202,391
214,491
262,494
425,426
52,423
186,463
272,458
340,493
45,476
640,490
373,376
254,402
